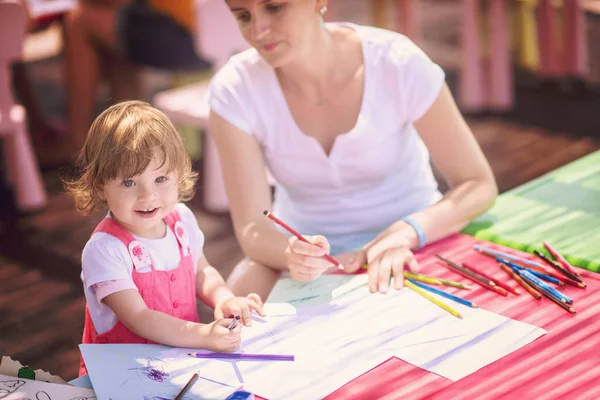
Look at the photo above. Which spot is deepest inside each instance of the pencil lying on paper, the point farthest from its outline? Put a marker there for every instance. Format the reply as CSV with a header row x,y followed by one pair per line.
x,y
300,237
244,356
187,387
432,299
444,294
434,280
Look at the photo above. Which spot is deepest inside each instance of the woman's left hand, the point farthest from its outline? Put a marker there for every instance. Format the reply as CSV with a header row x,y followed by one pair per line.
x,y
386,256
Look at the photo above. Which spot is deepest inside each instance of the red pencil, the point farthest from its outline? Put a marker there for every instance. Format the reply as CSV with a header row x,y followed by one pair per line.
x,y
475,277
496,281
560,258
300,237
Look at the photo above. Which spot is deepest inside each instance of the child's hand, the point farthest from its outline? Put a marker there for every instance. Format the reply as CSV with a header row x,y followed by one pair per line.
x,y
241,306
220,338
305,260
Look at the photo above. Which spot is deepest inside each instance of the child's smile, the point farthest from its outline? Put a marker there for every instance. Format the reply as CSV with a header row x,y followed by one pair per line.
x,y
139,203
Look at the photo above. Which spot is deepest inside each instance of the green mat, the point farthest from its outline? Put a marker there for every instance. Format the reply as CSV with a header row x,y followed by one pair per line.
x,y
562,207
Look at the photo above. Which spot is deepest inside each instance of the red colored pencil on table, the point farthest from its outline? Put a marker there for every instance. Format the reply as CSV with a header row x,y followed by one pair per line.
x,y
496,281
472,275
560,258
300,237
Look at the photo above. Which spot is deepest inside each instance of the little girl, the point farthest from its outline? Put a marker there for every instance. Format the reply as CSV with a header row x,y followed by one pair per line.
x,y
143,266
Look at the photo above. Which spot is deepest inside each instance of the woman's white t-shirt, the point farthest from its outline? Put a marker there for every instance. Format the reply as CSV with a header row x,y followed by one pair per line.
x,y
107,266
375,174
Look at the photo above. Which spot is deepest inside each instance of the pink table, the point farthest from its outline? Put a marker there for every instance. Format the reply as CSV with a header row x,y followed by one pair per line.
x,y
565,363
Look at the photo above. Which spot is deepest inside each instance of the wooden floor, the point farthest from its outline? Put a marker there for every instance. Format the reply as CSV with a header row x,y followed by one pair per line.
x,y
41,298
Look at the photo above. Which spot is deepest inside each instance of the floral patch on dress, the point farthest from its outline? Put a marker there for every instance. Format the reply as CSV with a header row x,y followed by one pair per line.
x,y
139,255
182,237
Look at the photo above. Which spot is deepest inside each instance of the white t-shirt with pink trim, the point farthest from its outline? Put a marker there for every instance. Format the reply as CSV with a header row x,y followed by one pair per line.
x,y
107,266
375,174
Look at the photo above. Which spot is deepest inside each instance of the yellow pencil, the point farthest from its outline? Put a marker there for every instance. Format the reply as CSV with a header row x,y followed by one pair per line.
x,y
422,278
458,285
432,299
432,280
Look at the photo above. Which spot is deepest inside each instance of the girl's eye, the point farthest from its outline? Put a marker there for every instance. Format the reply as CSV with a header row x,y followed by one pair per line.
x,y
245,17
273,8
128,183
161,179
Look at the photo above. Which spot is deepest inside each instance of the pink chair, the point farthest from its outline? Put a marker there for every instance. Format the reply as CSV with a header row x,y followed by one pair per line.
x,y
21,165
572,61
217,39
474,94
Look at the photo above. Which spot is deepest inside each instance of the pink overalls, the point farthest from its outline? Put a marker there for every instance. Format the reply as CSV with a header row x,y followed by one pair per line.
x,y
171,292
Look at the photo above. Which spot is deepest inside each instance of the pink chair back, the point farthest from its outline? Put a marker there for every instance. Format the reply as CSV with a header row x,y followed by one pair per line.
x,y
217,36
12,34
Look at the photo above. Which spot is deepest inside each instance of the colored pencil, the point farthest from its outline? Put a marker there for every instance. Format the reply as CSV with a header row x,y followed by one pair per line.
x,y
551,296
557,266
422,278
530,278
444,294
496,281
300,237
437,281
546,277
187,387
560,303
457,285
472,276
530,289
545,271
467,271
495,253
234,322
560,258
432,299
245,356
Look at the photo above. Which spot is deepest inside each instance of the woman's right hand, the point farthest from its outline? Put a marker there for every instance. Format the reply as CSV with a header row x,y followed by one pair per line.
x,y
305,260
221,339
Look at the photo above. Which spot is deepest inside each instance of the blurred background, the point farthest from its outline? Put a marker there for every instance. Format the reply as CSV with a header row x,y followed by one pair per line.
x,y
526,74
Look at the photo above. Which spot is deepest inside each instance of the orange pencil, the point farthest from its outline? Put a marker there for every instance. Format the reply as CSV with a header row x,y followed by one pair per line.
x,y
521,282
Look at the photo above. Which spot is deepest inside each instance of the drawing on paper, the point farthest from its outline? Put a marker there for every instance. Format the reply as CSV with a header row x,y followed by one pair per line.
x,y
153,371
42,395
7,387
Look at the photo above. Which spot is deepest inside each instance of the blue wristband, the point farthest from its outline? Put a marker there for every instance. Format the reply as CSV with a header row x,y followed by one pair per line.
x,y
420,232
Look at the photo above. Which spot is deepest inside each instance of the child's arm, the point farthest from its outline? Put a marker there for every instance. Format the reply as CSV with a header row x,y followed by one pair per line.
x,y
213,291
131,310
210,285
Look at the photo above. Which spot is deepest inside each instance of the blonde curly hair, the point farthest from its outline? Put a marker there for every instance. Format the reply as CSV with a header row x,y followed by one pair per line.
x,y
122,142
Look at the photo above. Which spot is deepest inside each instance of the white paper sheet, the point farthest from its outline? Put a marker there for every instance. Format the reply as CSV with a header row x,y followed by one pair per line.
x,y
334,334
12,388
139,371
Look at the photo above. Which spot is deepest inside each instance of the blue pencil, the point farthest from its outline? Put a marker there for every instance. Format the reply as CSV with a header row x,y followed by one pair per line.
x,y
444,294
539,274
543,285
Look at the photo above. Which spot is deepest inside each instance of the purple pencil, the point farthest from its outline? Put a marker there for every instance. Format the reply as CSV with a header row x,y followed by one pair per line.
x,y
244,356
